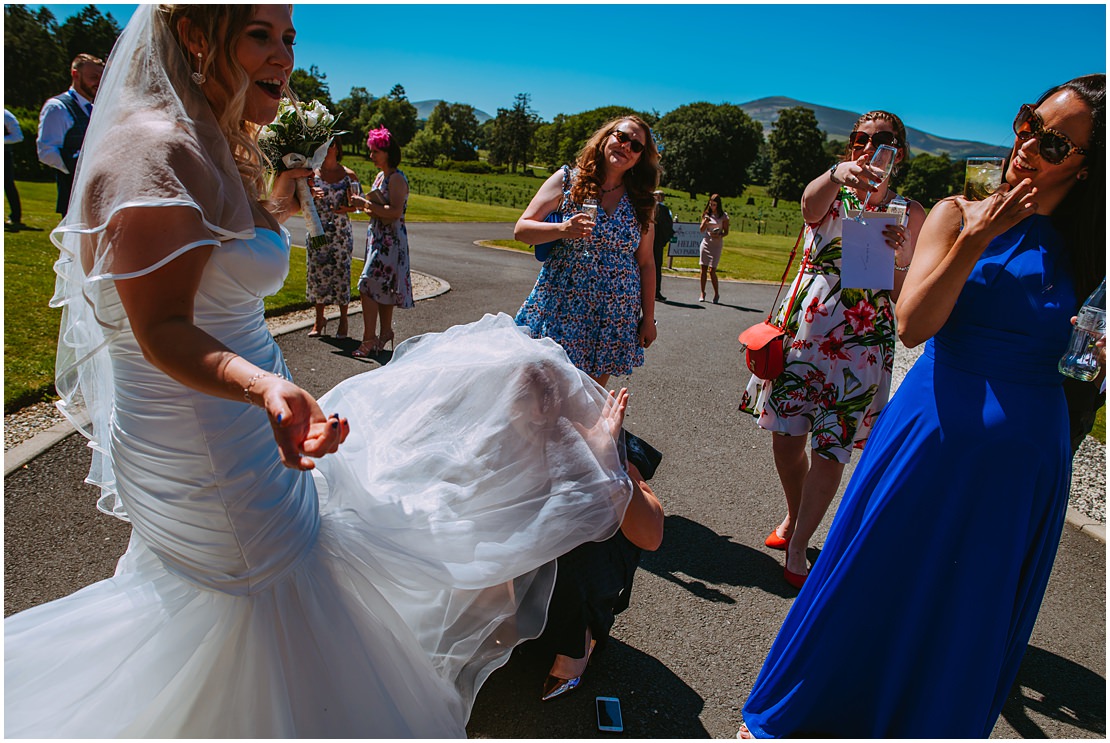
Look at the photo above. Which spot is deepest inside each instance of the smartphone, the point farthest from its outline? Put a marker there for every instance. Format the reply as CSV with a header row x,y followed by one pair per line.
x,y
609,715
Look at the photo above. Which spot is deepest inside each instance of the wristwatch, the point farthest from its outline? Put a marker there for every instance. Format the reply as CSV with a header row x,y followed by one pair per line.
x,y
832,175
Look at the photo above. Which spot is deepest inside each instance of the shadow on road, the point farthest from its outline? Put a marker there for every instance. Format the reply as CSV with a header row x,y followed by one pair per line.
x,y
655,702
1058,689
697,559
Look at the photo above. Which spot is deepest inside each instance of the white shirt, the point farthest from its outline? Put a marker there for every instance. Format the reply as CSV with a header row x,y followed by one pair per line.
x,y
12,132
54,121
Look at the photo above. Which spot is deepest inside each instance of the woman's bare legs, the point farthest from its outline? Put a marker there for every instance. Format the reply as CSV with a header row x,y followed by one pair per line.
x,y
386,335
369,325
716,287
341,332
817,493
793,466
704,272
320,325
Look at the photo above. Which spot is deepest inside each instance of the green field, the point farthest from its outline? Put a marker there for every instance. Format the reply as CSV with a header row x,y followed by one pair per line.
x,y
755,250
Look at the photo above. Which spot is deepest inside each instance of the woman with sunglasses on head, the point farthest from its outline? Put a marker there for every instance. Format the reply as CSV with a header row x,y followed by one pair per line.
x,y
838,368
249,604
714,227
595,295
914,620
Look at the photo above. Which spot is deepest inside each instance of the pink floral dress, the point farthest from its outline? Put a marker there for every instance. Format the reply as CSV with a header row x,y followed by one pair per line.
x,y
838,365
385,275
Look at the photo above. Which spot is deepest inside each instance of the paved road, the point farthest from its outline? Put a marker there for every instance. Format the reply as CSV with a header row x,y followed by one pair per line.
x,y
707,604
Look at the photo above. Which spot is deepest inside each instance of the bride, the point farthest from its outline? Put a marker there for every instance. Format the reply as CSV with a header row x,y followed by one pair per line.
x,y
289,574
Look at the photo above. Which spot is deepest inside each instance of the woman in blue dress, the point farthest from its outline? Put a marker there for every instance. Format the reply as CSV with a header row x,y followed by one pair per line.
x,y
885,644
595,295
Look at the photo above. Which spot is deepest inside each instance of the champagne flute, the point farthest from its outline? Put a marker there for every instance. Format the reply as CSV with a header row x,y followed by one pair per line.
x,y
883,161
589,208
354,188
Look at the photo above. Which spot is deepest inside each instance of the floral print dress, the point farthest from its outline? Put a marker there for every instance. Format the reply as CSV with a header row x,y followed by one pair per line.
x,y
385,277
328,275
587,296
838,367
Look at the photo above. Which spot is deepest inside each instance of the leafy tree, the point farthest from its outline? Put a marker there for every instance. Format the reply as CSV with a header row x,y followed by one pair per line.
x,y
35,65
559,142
88,32
511,135
709,148
396,113
356,110
311,86
797,153
429,145
759,172
458,124
930,178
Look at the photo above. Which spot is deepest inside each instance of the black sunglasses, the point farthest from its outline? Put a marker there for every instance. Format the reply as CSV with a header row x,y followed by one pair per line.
x,y
626,138
860,139
1055,147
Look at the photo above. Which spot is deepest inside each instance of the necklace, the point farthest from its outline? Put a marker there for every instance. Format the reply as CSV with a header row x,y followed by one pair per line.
x,y
610,190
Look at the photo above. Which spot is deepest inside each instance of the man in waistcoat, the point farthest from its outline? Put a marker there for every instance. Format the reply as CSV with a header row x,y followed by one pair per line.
x,y
64,121
664,231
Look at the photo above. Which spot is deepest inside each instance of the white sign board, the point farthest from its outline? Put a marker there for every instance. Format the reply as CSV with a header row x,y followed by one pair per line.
x,y
686,242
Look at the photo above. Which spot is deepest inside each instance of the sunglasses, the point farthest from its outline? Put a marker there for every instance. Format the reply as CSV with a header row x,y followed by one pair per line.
x,y
860,139
1055,147
626,138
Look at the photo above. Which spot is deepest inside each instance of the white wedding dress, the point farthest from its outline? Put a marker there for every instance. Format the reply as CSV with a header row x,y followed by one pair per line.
x,y
247,605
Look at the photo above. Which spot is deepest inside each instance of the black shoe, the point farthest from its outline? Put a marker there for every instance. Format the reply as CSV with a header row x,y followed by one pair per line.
x,y
660,297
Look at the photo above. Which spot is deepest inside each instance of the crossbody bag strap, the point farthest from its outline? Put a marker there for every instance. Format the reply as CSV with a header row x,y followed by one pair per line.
x,y
785,273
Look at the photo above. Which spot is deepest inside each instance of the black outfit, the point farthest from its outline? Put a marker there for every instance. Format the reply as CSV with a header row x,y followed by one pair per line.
x,y
1084,399
10,191
593,582
664,231
71,148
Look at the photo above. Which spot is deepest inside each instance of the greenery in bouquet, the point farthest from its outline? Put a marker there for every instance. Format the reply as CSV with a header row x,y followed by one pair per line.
x,y
298,138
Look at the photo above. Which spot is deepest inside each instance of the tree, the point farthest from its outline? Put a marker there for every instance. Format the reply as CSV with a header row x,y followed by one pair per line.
x,y
930,178
311,86
35,65
797,153
355,112
709,148
428,145
559,142
88,32
458,126
759,172
396,113
511,134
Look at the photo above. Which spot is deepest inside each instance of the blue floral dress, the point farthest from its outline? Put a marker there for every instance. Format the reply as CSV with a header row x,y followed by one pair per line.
x,y
838,367
587,296
328,276
385,277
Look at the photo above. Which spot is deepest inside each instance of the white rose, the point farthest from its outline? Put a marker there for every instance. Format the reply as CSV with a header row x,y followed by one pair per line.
x,y
311,118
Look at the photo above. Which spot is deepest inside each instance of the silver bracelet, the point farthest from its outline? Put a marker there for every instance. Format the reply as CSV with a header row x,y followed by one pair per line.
x,y
255,378
900,268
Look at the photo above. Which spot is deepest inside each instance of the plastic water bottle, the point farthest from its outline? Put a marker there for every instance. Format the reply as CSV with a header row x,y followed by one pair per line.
x,y
898,206
1081,360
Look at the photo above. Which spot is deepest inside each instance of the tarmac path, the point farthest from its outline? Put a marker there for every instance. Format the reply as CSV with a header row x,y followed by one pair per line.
x,y
707,604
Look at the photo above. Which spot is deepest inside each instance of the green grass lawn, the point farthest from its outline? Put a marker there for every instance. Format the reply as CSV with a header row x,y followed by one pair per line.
x,y
31,328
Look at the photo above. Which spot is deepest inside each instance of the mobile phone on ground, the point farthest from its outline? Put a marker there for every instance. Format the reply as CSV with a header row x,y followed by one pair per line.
x,y
609,715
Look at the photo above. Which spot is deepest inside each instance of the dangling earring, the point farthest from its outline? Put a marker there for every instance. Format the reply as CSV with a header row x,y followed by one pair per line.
x,y
1082,175
198,76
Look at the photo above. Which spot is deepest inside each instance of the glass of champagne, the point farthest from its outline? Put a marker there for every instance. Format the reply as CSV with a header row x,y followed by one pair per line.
x,y
354,188
883,161
982,178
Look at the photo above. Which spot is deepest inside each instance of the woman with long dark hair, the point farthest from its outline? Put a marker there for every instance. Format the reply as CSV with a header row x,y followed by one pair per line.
x,y
914,620
714,228
595,295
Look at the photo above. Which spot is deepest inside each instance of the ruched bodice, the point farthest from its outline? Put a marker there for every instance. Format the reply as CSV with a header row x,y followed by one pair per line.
x,y
200,476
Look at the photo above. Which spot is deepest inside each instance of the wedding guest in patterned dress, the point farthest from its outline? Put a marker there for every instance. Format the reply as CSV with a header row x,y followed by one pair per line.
x,y
328,276
385,282
838,368
595,294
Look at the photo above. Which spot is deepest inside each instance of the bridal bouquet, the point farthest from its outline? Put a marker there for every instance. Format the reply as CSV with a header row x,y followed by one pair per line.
x,y
299,138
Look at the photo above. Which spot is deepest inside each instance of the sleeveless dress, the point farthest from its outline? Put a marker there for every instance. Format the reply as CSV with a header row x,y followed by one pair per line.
x,y
712,245
385,275
250,605
914,619
587,296
328,275
837,371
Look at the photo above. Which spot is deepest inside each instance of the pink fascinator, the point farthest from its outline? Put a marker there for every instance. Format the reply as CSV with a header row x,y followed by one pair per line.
x,y
379,139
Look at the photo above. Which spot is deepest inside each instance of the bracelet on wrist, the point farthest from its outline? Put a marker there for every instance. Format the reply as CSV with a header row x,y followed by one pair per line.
x,y
255,378
900,268
832,175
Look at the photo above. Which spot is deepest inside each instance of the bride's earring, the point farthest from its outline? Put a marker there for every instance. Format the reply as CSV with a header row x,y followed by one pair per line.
x,y
198,76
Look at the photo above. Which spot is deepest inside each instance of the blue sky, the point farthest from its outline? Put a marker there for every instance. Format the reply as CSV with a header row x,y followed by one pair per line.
x,y
953,70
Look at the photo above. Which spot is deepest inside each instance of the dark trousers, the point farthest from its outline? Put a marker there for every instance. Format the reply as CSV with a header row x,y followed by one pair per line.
x,y
658,250
10,191
65,185
1084,400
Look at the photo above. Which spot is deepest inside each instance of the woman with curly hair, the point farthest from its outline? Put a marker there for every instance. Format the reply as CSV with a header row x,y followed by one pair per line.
x,y
595,294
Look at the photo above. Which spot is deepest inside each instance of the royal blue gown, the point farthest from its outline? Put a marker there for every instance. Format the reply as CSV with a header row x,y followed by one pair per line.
x,y
914,619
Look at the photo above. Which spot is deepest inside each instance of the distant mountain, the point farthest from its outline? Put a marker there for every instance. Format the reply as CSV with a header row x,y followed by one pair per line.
x,y
837,123
424,109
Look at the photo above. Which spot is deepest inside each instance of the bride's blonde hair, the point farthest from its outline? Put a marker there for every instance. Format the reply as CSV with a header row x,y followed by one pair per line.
x,y
222,25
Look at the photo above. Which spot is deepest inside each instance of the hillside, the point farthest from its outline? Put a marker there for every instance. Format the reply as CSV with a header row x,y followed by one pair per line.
x,y
424,109
837,123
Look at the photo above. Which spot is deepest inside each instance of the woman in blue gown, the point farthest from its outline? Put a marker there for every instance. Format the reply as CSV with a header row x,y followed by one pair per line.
x,y
914,620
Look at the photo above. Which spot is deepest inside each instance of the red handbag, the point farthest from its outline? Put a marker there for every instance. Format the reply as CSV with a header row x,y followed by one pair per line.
x,y
763,343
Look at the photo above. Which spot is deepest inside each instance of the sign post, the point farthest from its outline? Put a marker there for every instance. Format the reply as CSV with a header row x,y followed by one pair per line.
x,y
686,242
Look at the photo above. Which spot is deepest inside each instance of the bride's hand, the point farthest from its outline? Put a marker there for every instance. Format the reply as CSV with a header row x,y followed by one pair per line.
x,y
301,429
